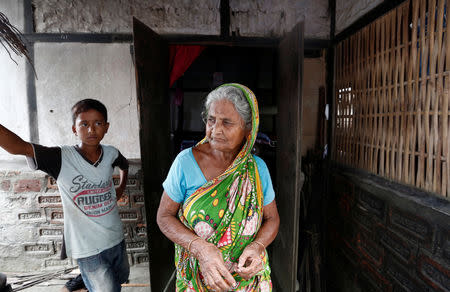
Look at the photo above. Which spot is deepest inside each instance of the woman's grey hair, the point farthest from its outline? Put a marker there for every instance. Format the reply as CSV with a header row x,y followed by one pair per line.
x,y
235,96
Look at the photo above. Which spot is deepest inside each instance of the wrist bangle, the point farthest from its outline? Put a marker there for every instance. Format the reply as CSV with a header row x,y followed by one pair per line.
x,y
190,242
260,243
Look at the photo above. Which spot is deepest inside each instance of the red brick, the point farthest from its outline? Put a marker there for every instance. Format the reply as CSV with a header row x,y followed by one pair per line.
x,y
124,201
51,183
5,185
27,185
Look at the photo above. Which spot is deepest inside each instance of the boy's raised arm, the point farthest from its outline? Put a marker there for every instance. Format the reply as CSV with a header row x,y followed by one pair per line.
x,y
14,144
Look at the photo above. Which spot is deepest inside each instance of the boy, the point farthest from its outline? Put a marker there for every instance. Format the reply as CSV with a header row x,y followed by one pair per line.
x,y
93,231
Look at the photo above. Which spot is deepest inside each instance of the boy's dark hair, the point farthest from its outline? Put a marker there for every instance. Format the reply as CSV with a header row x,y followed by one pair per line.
x,y
88,104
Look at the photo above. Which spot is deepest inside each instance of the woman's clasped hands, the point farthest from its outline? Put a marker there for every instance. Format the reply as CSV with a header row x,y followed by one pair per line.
x,y
215,273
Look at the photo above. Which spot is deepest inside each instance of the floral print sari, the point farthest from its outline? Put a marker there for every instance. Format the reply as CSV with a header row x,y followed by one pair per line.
x,y
226,211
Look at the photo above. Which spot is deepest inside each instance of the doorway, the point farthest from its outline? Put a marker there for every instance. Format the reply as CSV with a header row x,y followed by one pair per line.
x,y
275,75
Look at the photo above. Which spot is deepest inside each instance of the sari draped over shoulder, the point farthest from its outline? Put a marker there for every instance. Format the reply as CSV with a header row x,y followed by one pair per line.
x,y
226,211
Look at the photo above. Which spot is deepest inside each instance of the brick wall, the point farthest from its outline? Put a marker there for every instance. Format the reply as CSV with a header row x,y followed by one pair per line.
x,y
383,236
31,221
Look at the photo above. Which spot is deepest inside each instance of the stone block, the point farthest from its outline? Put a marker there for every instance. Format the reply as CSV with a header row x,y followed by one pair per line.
x,y
372,204
51,183
58,246
411,224
372,280
128,230
136,245
132,215
141,258
394,244
27,185
402,277
31,216
133,183
137,199
39,248
141,230
55,263
54,215
130,259
370,250
53,200
124,201
5,185
362,218
434,273
446,247
51,232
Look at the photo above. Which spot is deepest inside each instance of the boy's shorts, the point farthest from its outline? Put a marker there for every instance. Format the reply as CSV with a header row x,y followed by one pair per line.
x,y
107,270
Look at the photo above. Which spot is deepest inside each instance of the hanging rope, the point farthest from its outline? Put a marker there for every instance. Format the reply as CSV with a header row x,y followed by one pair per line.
x,y
12,40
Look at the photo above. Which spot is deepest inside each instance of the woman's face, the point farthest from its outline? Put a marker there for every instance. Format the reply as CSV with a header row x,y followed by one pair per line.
x,y
225,128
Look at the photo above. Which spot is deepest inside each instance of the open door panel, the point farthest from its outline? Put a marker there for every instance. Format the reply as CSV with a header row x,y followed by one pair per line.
x,y
289,175
151,55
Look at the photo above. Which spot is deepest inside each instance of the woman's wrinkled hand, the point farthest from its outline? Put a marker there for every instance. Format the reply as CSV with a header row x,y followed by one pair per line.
x,y
250,262
212,266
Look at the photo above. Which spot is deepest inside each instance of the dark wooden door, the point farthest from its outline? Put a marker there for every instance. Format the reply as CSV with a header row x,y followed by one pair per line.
x,y
289,175
151,54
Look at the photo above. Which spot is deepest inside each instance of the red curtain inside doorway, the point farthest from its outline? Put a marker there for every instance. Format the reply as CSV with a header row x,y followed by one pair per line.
x,y
181,57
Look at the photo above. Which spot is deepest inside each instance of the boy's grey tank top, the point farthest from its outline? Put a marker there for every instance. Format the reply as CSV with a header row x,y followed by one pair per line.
x,y
91,217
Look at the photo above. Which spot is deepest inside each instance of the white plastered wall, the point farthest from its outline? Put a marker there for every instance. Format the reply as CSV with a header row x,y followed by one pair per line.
x,y
70,72
13,86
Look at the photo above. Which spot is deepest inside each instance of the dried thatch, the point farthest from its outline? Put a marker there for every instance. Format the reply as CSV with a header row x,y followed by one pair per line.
x,y
12,39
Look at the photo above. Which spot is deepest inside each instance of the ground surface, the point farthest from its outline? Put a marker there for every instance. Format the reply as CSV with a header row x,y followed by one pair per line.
x,y
139,274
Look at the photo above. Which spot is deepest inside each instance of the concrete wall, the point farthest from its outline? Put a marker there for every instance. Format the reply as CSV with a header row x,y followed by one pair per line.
x,y
69,72
348,11
383,236
13,96
168,16
267,18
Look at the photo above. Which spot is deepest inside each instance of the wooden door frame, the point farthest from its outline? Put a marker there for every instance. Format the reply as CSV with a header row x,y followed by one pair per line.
x,y
237,42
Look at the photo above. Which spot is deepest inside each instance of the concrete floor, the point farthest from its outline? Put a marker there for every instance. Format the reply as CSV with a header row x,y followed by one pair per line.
x,y
139,274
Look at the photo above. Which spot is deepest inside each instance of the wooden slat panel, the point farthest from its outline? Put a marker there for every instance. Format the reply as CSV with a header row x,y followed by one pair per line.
x,y
392,90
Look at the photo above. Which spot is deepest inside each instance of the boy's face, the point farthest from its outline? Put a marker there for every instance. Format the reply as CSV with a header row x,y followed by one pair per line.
x,y
90,127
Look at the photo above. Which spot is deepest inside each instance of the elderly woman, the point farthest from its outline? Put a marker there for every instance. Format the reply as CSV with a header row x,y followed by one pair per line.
x,y
218,202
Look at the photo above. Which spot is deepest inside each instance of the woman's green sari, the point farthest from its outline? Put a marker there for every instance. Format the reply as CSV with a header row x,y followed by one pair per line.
x,y
226,211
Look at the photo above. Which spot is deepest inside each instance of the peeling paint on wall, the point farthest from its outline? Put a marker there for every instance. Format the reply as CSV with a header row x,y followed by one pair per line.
x,y
275,18
248,18
115,16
